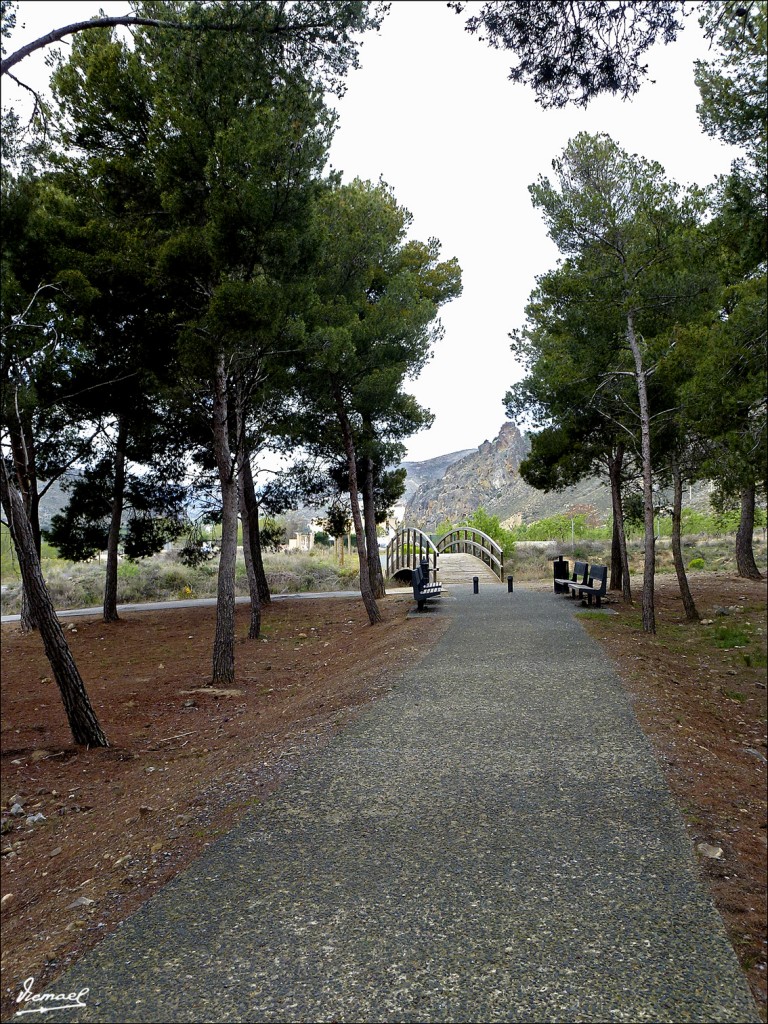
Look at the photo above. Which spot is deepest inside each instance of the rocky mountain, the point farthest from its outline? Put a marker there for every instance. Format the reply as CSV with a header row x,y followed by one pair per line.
x,y
489,477
429,471
54,500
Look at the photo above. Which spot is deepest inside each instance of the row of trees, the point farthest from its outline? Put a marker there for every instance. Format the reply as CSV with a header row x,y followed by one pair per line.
x,y
645,348
185,284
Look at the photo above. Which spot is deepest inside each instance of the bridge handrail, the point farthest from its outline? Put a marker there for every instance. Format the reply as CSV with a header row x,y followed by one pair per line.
x,y
407,549
487,549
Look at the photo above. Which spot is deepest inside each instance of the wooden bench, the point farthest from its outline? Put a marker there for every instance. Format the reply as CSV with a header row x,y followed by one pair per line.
x,y
423,590
596,587
580,574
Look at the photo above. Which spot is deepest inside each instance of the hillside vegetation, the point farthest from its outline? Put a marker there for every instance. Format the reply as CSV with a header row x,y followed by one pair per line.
x,y
489,478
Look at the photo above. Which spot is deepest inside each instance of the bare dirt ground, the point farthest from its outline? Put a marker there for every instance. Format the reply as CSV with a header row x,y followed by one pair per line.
x,y
186,761
703,707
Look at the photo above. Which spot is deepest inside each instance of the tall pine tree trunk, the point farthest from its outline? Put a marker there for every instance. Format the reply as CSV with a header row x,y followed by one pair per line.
x,y
224,639
371,539
32,505
249,533
249,493
82,719
649,564
619,557
677,546
23,449
366,592
113,538
617,568
745,556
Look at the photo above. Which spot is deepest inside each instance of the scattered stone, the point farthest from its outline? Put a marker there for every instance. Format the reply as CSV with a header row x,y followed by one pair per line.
x,y
56,852
17,810
756,753
715,852
144,810
39,755
33,819
706,622
722,611
6,899
81,901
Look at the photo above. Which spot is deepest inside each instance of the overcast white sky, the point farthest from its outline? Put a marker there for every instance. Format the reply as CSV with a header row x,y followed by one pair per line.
x,y
432,112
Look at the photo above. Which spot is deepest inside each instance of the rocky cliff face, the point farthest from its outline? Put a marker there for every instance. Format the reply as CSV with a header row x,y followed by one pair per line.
x,y
55,499
490,477
430,471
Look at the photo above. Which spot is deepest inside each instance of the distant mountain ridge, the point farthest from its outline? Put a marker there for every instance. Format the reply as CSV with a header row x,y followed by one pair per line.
x,y
55,499
489,477
429,471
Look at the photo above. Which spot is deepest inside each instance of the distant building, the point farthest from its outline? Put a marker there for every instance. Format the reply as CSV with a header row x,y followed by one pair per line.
x,y
302,542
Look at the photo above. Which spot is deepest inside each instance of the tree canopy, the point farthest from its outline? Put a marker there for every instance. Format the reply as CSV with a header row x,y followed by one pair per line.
x,y
572,52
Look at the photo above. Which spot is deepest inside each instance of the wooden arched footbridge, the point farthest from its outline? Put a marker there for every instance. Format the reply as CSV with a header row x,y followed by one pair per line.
x,y
458,555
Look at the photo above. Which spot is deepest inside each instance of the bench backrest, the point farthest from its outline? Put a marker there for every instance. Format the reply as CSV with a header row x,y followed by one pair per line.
x,y
580,572
417,578
599,577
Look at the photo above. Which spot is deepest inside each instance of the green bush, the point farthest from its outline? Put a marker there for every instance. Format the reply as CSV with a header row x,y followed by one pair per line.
x,y
128,570
175,578
696,563
491,526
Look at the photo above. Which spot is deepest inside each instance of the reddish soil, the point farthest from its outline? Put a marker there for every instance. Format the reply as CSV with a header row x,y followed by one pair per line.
x,y
703,708
186,761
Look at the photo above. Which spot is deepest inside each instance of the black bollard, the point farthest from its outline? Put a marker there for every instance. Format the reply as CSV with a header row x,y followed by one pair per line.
x,y
509,584
475,584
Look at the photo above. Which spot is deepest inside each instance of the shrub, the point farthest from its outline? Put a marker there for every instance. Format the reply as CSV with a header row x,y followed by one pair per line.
x,y
175,578
696,563
491,526
128,570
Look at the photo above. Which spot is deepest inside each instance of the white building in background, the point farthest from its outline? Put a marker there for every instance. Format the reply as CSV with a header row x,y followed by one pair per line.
x,y
302,542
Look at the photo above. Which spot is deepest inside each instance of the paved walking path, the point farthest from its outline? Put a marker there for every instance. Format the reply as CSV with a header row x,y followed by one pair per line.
x,y
196,602
492,842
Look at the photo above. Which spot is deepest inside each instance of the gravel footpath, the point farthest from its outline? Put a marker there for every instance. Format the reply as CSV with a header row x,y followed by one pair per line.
x,y
492,842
